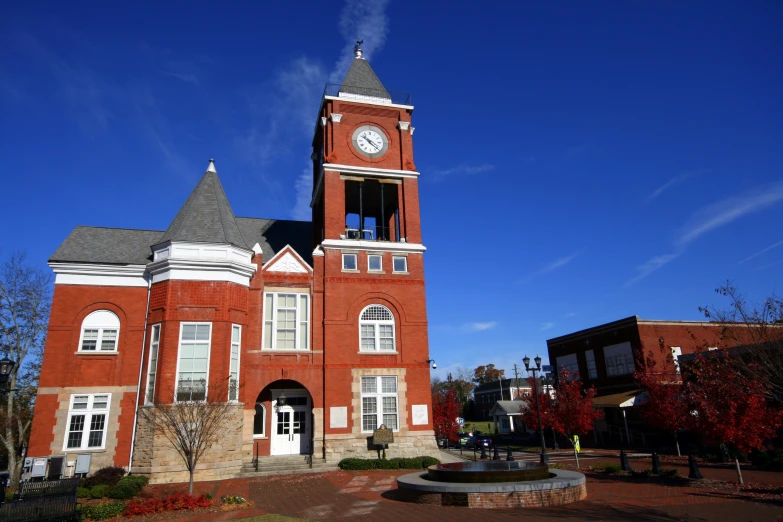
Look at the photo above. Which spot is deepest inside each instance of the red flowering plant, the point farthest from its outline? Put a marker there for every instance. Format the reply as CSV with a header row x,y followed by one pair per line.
x,y
173,503
572,409
729,405
664,406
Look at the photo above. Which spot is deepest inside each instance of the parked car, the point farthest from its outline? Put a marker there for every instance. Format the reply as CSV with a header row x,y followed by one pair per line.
x,y
463,438
476,441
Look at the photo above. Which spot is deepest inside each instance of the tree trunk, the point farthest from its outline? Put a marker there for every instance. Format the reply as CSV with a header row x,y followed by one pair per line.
x,y
190,487
677,443
15,467
739,471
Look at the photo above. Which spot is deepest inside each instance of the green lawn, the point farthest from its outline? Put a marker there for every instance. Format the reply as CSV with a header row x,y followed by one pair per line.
x,y
483,427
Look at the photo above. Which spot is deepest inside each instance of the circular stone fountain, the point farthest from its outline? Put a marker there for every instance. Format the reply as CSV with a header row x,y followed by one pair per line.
x,y
493,484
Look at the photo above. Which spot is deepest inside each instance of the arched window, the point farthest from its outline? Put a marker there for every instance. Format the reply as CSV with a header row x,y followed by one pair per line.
x,y
259,421
100,332
376,329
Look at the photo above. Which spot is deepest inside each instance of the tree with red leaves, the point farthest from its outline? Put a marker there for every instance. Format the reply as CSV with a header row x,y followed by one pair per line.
x,y
730,406
572,409
529,410
664,407
445,410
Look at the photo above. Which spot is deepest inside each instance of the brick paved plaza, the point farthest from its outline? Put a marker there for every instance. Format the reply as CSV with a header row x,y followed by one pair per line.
x,y
343,495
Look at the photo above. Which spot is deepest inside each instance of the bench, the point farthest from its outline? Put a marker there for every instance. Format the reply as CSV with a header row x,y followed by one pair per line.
x,y
51,501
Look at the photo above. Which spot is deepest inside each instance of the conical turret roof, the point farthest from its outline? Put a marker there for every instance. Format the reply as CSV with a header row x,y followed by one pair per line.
x,y
361,79
206,216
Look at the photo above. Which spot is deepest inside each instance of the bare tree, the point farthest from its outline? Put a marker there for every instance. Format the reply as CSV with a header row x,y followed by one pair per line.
x,y
759,339
25,302
192,427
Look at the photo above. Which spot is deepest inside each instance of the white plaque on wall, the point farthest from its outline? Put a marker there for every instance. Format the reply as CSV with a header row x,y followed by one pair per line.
x,y
419,414
338,417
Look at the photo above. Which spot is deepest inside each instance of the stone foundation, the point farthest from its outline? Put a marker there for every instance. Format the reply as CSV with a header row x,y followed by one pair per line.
x,y
514,499
155,456
406,444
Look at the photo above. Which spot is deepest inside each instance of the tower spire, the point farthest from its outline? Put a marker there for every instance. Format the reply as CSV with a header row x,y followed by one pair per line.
x,y
357,50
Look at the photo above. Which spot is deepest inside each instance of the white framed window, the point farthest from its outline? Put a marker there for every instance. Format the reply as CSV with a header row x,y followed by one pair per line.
x,y
376,329
193,361
100,332
619,359
286,321
374,262
233,370
399,264
379,403
349,262
88,415
152,371
259,421
592,370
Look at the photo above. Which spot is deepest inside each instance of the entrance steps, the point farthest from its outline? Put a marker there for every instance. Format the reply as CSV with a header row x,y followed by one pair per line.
x,y
285,464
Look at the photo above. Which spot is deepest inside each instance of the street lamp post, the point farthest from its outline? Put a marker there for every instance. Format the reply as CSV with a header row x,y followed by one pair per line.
x,y
537,368
6,365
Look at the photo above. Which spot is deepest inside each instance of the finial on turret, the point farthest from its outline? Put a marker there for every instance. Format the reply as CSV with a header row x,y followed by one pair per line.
x,y
357,50
211,167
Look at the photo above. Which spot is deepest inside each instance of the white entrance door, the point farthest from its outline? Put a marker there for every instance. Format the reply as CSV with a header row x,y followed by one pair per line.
x,y
291,429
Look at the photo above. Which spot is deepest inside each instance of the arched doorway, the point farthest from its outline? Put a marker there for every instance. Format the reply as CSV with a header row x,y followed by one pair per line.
x,y
288,407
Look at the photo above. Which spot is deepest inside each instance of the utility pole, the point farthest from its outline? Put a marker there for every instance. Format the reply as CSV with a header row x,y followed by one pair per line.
x,y
516,380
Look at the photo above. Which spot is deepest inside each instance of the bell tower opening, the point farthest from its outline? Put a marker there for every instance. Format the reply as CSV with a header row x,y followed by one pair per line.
x,y
372,211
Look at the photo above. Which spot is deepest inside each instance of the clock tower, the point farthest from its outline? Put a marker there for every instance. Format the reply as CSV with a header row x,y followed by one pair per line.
x,y
369,269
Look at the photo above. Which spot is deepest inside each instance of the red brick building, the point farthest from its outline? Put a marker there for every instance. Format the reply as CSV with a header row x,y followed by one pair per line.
x,y
330,314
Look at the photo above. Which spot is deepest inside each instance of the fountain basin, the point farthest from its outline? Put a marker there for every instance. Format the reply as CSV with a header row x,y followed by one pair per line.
x,y
488,472
560,487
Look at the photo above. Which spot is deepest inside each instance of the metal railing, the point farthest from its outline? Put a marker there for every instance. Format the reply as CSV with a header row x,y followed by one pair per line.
x,y
375,233
353,92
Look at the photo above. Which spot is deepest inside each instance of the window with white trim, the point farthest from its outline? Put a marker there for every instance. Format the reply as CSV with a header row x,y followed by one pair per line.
x,y
259,421
286,321
619,359
374,263
376,329
88,416
399,264
233,371
100,332
379,403
153,367
349,262
592,370
193,361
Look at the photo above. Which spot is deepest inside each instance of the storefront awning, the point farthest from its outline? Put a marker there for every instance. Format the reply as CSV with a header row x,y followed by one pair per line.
x,y
627,399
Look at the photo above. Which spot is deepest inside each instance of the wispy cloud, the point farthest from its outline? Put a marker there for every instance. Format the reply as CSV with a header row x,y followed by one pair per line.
x,y
673,182
304,192
729,210
769,265
478,327
571,314
185,77
551,266
461,169
651,266
360,20
547,326
764,251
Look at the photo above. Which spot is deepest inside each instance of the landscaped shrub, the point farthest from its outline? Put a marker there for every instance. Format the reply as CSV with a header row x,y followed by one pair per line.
x,y
671,473
122,490
103,511
137,481
611,469
81,492
356,464
231,499
172,503
109,476
99,491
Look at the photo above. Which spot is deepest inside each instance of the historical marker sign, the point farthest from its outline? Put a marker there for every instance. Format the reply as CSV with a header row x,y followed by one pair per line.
x,y
382,436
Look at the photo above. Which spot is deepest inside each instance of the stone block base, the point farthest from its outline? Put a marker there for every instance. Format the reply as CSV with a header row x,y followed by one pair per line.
x,y
408,444
512,499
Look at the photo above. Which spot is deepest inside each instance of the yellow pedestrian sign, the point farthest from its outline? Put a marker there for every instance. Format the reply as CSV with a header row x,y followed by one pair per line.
x,y
576,444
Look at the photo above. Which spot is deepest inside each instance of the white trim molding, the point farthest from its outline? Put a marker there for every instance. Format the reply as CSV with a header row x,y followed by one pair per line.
x,y
370,171
288,249
201,262
369,100
403,125
336,117
377,246
94,274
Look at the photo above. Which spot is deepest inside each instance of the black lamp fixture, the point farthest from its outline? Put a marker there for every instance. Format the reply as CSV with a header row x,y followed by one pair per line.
x,y
6,365
533,370
432,362
281,400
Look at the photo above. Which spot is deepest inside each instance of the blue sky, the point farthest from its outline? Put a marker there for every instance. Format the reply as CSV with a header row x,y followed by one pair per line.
x,y
580,162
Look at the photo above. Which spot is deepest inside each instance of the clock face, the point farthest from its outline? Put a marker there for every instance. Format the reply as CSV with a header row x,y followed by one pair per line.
x,y
370,141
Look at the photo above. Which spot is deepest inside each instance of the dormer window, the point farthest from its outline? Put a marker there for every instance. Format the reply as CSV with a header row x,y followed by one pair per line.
x,y
100,332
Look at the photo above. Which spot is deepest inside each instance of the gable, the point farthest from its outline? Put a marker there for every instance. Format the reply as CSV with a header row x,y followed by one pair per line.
x,y
287,260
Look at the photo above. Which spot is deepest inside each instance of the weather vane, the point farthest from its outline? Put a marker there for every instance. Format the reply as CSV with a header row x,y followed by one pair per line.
x,y
357,51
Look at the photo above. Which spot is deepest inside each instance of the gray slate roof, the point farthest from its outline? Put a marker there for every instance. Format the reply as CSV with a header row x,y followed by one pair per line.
x,y
510,407
206,216
273,235
114,246
361,79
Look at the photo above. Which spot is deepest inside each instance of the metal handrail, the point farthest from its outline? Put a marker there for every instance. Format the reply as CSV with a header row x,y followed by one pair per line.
x,y
255,459
358,93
